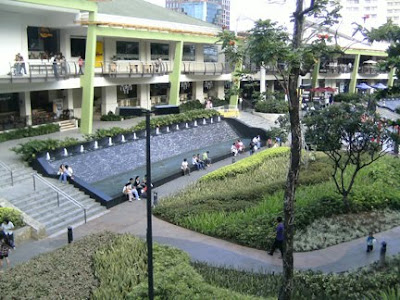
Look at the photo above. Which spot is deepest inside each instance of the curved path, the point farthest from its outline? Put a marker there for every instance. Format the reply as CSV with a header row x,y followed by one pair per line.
x,y
131,218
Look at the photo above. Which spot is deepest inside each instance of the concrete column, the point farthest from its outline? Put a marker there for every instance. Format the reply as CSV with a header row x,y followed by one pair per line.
x,y
199,53
110,48
69,99
25,108
262,79
87,80
315,73
198,92
220,89
143,94
108,99
143,49
353,80
175,76
391,76
221,55
77,102
271,86
236,84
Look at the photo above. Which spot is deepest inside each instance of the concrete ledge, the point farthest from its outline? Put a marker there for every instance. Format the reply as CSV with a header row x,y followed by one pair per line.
x,y
267,116
37,229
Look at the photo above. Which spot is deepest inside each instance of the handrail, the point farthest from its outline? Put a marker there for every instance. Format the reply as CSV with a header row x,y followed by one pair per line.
x,y
59,192
9,170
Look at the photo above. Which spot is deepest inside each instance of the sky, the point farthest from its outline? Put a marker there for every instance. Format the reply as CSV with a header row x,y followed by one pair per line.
x,y
245,12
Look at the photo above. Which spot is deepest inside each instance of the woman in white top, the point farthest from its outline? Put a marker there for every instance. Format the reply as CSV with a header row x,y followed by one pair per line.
x,y
185,167
7,226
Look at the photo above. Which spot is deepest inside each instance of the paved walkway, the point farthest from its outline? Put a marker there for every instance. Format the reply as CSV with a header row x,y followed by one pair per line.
x,y
131,218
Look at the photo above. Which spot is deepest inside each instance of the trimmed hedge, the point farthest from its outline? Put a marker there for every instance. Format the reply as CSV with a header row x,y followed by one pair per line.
x,y
190,105
271,106
346,97
28,132
245,165
110,117
13,215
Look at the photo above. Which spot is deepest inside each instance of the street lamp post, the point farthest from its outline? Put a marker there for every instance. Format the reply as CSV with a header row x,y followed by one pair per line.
x,y
135,111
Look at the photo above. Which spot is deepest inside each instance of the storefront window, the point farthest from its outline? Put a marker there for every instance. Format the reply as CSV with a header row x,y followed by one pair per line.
x,y
127,95
159,51
78,47
127,50
210,53
189,52
43,42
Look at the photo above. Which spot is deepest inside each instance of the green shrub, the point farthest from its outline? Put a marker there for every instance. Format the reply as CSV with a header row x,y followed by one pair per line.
x,y
28,132
190,105
11,214
110,117
219,102
246,164
346,97
271,106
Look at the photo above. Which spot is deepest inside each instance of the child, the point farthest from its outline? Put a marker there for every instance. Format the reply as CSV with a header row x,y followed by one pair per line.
x,y
370,242
5,247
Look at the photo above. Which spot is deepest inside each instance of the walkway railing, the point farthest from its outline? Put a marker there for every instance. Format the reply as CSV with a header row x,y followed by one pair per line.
x,y
138,68
59,192
204,68
7,168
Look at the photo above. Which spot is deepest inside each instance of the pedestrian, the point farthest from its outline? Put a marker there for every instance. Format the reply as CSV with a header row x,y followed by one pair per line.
x,y
252,147
370,242
234,150
80,64
5,247
69,172
185,167
7,226
269,143
206,158
62,173
278,243
22,63
54,62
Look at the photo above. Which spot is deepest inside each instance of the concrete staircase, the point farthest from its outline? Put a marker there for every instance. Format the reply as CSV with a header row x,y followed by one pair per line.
x,y
67,125
19,174
42,204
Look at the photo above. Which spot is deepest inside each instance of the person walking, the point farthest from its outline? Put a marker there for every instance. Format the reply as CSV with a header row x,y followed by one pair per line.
x,y
278,243
7,226
5,247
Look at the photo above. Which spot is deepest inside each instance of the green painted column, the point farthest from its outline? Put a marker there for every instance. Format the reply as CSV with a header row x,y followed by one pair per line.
x,y
175,76
314,79
233,101
391,76
354,74
87,80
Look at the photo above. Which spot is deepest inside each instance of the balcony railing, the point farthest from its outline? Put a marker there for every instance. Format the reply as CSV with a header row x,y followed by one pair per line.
x,y
202,68
335,69
136,69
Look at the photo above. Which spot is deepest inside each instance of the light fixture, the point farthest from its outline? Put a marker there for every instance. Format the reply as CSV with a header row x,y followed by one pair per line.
x,y
184,85
126,88
208,84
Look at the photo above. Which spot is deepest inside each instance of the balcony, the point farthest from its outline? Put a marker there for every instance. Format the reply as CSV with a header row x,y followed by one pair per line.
x,y
203,68
335,69
134,69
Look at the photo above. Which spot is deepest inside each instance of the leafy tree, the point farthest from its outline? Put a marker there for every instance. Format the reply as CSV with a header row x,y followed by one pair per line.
x,y
292,56
351,136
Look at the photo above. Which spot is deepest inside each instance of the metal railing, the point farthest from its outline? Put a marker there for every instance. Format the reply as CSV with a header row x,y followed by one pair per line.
x,y
59,192
7,168
138,68
204,68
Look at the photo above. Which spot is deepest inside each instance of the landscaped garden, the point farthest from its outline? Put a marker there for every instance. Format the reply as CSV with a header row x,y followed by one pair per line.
x,y
240,202
114,266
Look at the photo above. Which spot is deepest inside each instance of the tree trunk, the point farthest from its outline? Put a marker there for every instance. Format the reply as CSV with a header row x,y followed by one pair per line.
x,y
294,168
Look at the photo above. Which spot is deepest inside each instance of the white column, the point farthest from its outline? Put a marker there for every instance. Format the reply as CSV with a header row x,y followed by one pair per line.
x,y
110,48
199,53
143,93
144,51
69,99
271,87
25,108
77,102
262,80
198,93
220,87
108,99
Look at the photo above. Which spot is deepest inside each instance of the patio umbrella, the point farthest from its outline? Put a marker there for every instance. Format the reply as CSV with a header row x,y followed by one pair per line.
x,y
370,62
379,86
363,86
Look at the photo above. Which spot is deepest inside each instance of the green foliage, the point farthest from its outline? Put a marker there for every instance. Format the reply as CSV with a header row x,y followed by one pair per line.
x,y
346,97
29,149
245,165
190,105
11,214
272,106
361,284
110,117
28,132
219,102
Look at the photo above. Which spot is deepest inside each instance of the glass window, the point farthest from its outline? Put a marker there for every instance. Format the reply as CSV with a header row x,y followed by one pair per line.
x,y
159,51
189,53
210,53
78,47
127,50
43,42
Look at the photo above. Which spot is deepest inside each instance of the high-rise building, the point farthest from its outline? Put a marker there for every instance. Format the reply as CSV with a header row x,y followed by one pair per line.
x,y
212,11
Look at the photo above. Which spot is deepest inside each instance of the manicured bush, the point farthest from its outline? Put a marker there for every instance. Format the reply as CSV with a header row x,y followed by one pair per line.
x,y
11,214
28,132
110,117
271,106
245,165
219,102
346,97
190,105
360,284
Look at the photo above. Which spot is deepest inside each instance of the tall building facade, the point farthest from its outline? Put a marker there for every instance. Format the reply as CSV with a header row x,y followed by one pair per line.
x,y
212,11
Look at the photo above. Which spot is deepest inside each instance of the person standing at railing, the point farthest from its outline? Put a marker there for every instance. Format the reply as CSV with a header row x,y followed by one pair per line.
x,y
80,64
17,66
54,62
22,64
64,65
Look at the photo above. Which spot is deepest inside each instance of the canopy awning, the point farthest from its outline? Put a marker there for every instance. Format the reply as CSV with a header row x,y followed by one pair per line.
x,y
363,86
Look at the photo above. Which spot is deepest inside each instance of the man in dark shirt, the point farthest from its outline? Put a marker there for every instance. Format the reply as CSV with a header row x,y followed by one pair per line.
x,y
278,243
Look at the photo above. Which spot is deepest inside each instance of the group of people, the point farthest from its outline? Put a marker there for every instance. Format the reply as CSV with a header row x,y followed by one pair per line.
x,y
135,188
238,146
199,163
19,65
6,241
58,61
64,172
